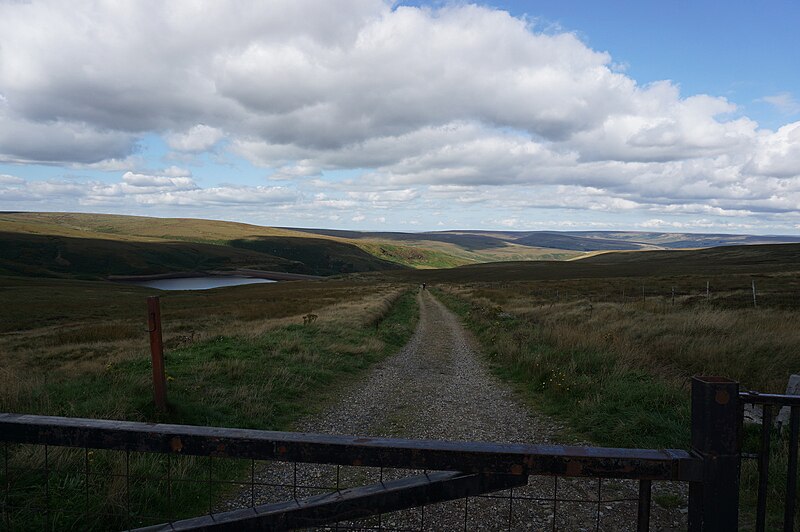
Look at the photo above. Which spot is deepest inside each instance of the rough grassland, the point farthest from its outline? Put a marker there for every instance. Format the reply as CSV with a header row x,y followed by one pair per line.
x,y
618,372
238,357
317,251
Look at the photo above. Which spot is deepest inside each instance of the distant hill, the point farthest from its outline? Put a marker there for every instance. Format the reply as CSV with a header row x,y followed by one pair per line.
x,y
92,245
684,240
749,259
576,243
579,241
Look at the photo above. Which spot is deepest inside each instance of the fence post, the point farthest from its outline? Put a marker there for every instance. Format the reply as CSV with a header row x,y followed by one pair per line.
x,y
157,352
716,427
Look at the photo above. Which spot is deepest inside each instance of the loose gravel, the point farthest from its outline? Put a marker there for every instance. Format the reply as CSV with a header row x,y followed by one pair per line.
x,y
438,387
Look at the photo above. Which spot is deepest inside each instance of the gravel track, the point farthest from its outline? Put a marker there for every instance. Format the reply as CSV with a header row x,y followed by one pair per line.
x,y
438,387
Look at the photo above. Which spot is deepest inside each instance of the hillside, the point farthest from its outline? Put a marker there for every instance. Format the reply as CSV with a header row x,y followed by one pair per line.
x,y
750,260
95,246
554,245
71,244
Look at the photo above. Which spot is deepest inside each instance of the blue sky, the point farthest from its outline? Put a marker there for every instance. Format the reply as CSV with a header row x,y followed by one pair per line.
x,y
670,116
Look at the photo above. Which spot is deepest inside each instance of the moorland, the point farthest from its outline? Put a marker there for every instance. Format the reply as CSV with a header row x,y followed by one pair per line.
x,y
604,339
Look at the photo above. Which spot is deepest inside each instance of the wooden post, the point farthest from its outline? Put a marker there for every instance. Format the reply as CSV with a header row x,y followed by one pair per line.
x,y
708,292
755,303
157,352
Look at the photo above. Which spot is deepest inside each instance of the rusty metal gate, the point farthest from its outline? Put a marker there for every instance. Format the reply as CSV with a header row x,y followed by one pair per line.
x,y
771,404
410,476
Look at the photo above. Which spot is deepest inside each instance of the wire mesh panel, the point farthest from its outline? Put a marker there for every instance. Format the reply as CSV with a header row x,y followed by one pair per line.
x,y
62,473
770,456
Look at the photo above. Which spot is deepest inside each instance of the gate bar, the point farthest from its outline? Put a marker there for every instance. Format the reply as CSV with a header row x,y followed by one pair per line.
x,y
350,504
515,459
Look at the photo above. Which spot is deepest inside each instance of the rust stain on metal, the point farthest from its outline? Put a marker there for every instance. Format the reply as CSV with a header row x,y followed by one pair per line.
x,y
722,397
357,462
176,444
221,448
517,469
282,449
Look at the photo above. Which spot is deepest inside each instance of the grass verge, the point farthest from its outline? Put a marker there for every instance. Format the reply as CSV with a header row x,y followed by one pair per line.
x,y
602,400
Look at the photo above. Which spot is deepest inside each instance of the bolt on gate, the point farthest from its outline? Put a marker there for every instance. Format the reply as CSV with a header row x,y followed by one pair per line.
x,y
345,483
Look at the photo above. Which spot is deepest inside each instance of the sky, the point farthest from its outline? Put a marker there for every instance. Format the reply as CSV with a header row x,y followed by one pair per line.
x,y
407,116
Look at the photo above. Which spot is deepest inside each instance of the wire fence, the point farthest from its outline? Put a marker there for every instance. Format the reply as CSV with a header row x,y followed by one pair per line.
x,y
58,488
654,293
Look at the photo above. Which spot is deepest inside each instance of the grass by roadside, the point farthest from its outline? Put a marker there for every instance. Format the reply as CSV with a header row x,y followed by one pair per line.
x,y
600,398
261,374
618,374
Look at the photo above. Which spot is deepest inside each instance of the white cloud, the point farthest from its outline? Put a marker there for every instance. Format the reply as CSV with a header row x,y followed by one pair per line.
x,y
158,182
226,196
198,138
6,179
777,154
24,140
468,104
295,171
139,189
784,101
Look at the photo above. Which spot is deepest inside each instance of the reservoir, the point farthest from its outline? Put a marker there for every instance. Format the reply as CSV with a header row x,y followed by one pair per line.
x,y
199,283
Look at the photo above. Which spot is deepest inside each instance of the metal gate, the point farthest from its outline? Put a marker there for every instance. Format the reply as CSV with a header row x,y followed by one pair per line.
x,y
515,481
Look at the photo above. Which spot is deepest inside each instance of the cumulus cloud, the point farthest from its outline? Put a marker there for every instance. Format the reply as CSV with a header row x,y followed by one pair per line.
x,y
139,189
476,105
777,154
158,182
196,139
23,140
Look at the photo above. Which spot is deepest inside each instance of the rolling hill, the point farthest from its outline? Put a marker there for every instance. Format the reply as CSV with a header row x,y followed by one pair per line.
x,y
98,245
729,260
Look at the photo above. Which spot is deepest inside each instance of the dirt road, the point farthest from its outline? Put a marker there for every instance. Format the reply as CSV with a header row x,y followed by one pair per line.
x,y
438,387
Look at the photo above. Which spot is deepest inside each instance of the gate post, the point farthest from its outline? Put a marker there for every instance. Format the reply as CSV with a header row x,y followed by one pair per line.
x,y
716,427
157,352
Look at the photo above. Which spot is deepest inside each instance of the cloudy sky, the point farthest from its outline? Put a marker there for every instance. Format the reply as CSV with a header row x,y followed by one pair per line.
x,y
370,114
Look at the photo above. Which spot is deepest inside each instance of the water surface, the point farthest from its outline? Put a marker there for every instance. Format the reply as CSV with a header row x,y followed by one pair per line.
x,y
199,283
